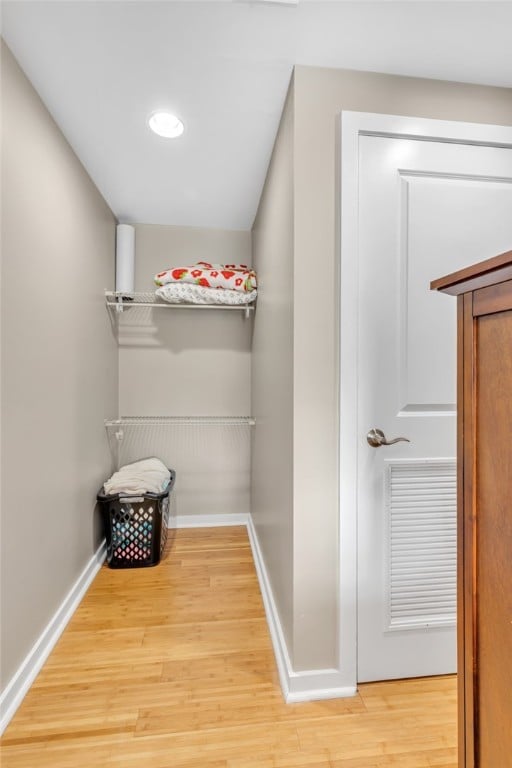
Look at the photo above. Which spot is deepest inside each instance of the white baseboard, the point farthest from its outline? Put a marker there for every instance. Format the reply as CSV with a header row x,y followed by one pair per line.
x,y
308,685
274,624
313,685
13,694
210,521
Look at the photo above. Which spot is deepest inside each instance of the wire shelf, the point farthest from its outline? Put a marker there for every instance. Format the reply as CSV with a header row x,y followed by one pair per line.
x,y
121,300
133,436
134,421
210,454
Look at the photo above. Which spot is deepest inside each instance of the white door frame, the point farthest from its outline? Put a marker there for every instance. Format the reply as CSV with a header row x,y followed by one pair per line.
x,y
352,126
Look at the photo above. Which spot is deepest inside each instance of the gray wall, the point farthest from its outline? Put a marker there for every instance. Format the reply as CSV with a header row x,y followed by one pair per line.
x,y
59,365
297,217
180,362
272,372
189,363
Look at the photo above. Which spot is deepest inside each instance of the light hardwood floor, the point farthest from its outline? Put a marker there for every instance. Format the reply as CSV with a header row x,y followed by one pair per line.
x,y
172,667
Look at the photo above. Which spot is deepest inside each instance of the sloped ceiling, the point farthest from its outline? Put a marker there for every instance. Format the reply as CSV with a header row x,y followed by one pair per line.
x,y
224,67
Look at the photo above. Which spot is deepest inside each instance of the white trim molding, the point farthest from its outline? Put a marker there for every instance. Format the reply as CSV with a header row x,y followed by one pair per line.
x,y
208,521
353,125
16,689
308,685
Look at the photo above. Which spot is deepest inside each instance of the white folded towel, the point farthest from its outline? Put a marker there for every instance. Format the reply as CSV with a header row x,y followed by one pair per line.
x,y
185,293
146,476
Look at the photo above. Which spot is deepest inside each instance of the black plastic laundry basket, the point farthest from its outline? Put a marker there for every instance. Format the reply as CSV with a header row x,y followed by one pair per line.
x,y
135,526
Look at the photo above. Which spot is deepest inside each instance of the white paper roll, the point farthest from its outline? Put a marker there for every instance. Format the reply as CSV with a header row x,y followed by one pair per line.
x,y
125,258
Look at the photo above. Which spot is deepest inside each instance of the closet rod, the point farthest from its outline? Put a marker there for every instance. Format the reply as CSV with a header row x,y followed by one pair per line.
x,y
181,420
155,305
119,301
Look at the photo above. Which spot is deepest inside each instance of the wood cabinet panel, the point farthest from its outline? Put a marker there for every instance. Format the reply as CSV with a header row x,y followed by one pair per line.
x,y
494,298
494,539
484,511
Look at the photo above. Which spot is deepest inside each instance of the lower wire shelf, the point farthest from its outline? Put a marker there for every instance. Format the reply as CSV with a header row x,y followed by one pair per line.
x,y
181,420
206,437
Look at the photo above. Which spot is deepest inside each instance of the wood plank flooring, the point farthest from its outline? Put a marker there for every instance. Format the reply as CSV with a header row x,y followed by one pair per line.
x,y
172,667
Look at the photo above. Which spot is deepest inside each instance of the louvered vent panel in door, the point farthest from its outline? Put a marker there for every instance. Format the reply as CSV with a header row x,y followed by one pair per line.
x,y
421,543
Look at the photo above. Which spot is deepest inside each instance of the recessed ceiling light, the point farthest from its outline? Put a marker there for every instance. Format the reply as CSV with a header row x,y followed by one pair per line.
x,y
166,124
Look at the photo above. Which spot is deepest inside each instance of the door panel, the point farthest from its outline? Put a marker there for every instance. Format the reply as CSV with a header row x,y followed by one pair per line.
x,y
438,214
425,208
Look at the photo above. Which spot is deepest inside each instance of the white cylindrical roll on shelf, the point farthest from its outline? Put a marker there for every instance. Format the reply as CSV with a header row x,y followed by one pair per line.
x,y
125,258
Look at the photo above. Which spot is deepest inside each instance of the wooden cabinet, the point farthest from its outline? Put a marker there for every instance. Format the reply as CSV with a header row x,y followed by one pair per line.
x,y
484,295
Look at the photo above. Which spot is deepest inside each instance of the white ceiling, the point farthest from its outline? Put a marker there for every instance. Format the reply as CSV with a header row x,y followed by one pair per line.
x,y
224,67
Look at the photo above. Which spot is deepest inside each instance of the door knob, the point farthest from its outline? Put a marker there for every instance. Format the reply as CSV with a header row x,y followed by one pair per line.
x,y
376,438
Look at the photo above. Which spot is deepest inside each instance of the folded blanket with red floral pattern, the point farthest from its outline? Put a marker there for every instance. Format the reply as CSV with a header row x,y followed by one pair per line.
x,y
232,277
